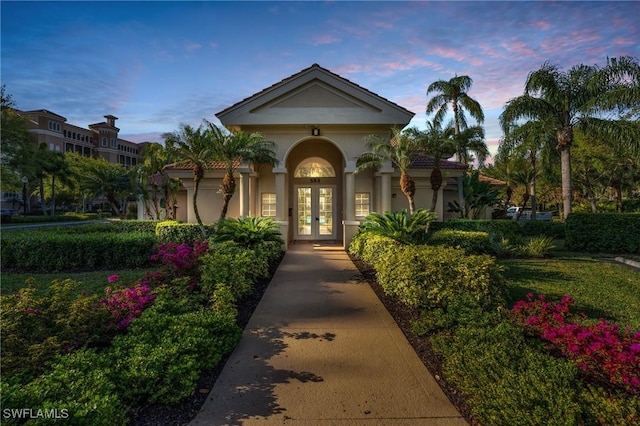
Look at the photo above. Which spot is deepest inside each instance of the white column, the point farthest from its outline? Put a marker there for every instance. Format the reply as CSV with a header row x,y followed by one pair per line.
x,y
282,214
350,191
244,191
386,172
253,195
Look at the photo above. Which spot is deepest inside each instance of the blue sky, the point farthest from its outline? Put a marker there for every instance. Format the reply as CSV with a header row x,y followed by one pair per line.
x,y
158,64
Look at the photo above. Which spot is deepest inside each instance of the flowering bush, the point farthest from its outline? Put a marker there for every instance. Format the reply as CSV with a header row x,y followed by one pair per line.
x,y
181,258
602,350
127,304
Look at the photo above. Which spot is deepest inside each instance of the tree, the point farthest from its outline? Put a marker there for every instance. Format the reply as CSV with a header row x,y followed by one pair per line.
x,y
398,150
101,178
439,144
593,98
471,140
454,92
192,147
478,195
15,145
234,148
155,157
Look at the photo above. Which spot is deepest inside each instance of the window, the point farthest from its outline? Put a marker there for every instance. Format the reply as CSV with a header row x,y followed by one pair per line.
x,y
54,126
104,141
113,143
268,204
314,167
362,204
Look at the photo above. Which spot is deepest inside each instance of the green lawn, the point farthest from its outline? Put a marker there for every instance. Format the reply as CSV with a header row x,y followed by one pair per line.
x,y
599,288
93,281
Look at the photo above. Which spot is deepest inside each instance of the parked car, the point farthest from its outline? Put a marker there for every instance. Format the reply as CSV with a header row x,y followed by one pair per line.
x,y
525,214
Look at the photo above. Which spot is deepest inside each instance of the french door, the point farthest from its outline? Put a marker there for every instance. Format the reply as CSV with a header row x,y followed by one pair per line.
x,y
315,212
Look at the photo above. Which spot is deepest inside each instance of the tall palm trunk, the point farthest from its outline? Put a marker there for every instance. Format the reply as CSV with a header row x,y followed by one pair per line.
x,y
198,174
436,183
228,189
408,187
565,139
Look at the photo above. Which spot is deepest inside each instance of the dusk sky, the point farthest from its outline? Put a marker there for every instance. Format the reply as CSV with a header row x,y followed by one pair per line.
x,y
158,64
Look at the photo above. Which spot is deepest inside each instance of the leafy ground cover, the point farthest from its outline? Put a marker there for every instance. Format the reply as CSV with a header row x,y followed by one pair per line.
x,y
523,360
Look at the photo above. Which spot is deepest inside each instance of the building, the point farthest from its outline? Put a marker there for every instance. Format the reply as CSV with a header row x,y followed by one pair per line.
x,y
98,140
319,122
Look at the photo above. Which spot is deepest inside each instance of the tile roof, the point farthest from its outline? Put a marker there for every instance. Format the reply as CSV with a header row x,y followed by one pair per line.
x,y
421,161
209,165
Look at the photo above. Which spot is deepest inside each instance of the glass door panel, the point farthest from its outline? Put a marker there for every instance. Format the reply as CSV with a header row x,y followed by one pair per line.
x,y
325,211
304,211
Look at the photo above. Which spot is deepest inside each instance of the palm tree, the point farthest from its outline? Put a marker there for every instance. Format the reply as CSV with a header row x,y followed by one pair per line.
x,y
234,148
101,178
471,140
398,150
192,147
584,96
454,92
439,144
155,157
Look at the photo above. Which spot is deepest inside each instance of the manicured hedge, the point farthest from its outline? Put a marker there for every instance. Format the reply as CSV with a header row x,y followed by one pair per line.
x,y
546,228
500,228
50,251
178,232
472,242
603,232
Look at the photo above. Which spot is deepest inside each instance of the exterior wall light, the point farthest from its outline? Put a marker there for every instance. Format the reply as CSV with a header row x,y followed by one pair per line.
x,y
315,132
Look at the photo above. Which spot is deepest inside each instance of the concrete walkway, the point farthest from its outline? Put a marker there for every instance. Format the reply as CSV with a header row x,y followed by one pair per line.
x,y
321,349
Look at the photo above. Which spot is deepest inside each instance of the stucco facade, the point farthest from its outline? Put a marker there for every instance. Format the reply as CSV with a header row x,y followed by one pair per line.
x,y
319,122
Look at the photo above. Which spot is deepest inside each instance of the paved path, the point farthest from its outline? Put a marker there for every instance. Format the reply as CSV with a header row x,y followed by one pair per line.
x,y
321,349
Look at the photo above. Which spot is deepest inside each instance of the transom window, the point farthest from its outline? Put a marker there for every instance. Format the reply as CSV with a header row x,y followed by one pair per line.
x,y
314,167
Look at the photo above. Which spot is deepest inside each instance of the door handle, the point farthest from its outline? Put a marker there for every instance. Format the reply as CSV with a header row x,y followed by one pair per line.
x,y
317,218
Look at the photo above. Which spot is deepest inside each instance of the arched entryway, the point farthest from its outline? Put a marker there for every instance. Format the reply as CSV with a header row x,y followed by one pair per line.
x,y
315,190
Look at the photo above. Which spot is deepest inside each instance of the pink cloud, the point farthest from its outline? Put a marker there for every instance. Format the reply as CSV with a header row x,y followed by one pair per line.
x,y
447,53
621,41
192,47
543,25
325,39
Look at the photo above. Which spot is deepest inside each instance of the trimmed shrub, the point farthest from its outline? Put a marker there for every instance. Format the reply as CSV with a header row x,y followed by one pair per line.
x,y
507,229
508,381
545,228
472,242
603,232
164,351
37,327
48,251
79,386
369,247
428,277
176,232
148,226
230,264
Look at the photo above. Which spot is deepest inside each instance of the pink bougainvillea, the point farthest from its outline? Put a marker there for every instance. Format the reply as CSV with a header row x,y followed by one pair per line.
x,y
602,350
127,304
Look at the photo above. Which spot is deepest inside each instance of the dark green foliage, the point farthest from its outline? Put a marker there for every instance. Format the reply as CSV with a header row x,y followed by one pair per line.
x,y
36,327
248,231
507,229
80,383
472,242
536,228
163,352
230,264
428,277
401,226
51,251
509,380
603,232
176,232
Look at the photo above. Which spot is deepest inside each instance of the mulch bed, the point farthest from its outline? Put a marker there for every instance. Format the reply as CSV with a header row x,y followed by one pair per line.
x,y
181,414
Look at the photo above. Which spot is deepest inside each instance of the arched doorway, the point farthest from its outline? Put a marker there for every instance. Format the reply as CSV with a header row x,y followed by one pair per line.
x,y
316,193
